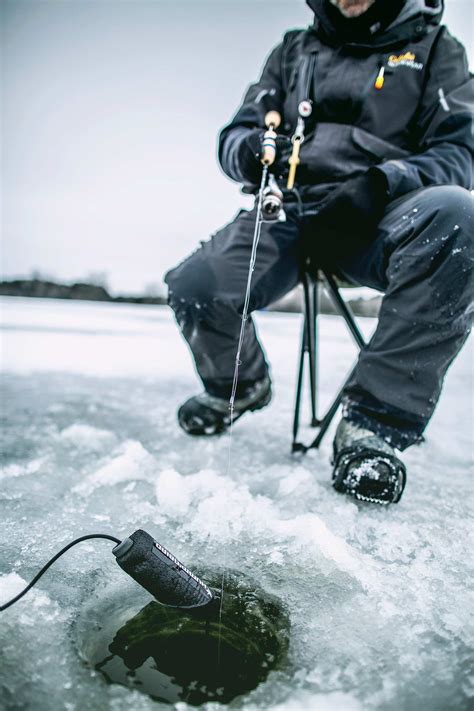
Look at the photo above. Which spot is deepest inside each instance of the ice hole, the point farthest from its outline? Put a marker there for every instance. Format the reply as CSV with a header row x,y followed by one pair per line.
x,y
176,655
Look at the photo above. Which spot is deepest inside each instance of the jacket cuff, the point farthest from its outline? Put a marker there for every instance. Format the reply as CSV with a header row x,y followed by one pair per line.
x,y
229,152
402,178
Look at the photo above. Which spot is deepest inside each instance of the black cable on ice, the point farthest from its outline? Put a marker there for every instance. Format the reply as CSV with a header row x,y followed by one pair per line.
x,y
53,560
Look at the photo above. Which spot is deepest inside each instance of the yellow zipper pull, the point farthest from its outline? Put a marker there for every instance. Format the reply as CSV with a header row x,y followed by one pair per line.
x,y
294,162
380,78
305,109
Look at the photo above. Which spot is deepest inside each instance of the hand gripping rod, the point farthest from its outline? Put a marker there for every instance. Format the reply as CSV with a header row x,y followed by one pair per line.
x,y
272,122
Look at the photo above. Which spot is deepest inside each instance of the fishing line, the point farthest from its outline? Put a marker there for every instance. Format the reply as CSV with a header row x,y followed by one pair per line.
x,y
245,310
272,122
238,363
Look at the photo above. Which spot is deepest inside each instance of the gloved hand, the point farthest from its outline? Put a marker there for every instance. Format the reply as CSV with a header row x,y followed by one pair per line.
x,y
347,220
249,153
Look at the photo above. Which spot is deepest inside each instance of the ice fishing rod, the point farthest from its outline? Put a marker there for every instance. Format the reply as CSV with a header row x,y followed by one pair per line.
x,y
151,565
267,205
272,197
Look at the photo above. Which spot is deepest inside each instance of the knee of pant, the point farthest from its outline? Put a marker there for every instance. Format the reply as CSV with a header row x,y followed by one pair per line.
x,y
453,204
450,225
190,283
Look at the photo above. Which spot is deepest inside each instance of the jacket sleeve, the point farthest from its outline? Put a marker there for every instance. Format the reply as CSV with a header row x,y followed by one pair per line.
x,y
263,95
444,126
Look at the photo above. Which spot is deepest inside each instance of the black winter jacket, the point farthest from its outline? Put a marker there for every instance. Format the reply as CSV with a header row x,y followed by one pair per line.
x,y
416,128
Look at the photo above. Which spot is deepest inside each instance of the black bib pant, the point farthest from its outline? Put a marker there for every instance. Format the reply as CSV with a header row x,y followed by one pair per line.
x,y
422,260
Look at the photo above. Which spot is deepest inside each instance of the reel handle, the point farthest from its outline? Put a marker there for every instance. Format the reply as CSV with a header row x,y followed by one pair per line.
x,y
272,122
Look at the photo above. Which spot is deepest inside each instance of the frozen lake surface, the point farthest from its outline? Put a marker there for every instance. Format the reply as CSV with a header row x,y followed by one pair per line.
x,y
379,599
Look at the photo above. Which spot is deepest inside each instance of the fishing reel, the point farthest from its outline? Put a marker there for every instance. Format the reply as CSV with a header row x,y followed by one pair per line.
x,y
271,195
272,202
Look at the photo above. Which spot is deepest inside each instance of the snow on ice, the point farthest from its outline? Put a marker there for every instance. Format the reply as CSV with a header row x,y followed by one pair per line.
x,y
378,597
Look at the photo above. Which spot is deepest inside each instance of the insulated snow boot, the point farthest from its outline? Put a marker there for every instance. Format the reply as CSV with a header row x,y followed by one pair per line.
x,y
205,414
365,465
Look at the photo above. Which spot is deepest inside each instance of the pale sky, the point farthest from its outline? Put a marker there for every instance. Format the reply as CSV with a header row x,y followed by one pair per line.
x,y
111,109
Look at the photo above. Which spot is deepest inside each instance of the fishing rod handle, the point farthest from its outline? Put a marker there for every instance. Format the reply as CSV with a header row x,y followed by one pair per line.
x,y
272,121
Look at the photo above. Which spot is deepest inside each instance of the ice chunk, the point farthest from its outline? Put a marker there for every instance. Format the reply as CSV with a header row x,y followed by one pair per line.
x,y
86,437
172,495
14,470
130,462
10,585
294,479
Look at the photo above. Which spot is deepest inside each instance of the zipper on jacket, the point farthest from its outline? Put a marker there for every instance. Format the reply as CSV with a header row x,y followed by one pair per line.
x,y
442,99
293,80
309,79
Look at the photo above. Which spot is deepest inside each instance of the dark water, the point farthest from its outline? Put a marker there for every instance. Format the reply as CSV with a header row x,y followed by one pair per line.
x,y
173,655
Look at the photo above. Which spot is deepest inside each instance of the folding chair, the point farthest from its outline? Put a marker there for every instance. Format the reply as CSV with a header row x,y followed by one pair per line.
x,y
309,351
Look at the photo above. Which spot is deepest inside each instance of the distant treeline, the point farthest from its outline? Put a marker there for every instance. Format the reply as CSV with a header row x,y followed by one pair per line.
x,y
44,289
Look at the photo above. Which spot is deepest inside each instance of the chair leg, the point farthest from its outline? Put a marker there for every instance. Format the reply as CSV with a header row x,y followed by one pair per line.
x,y
296,447
344,309
346,312
315,420
329,416
309,344
310,298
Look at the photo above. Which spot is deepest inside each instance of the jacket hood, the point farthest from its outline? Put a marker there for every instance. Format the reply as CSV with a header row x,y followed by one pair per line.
x,y
384,23
431,10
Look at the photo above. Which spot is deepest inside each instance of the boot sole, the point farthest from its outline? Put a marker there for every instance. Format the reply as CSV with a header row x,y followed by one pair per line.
x,y
196,432
348,456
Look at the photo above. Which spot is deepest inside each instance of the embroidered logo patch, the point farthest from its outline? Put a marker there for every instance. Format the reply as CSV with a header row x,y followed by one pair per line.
x,y
404,60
